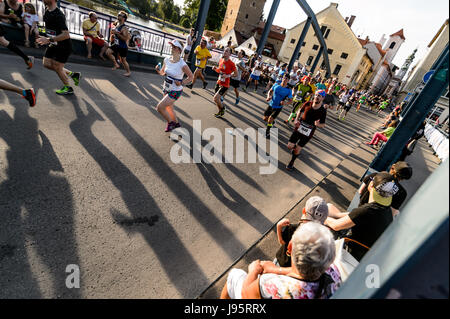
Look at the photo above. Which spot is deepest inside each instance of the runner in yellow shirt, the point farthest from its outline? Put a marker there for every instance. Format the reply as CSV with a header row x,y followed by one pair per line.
x,y
202,55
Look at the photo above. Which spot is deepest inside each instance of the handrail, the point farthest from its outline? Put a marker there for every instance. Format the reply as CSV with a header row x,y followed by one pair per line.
x,y
153,41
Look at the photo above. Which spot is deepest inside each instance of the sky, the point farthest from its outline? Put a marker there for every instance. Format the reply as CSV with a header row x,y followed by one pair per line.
x,y
420,19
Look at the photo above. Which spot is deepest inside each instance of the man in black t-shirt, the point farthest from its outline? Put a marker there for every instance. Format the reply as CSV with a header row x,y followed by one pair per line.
x,y
314,115
369,221
400,171
59,46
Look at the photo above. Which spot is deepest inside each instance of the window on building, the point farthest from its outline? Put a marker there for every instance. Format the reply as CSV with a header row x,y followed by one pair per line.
x,y
310,60
323,29
303,44
322,66
249,45
246,16
292,41
392,45
330,51
337,69
344,55
327,34
254,4
315,47
226,29
231,12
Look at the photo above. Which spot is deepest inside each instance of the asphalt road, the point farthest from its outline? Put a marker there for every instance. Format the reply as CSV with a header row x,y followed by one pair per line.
x,y
88,180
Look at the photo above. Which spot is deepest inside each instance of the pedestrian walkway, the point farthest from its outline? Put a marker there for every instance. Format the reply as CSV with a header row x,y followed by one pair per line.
x,y
339,188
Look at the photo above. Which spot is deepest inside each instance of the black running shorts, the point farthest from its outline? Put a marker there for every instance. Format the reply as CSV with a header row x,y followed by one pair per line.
x,y
299,139
235,83
2,31
271,112
59,53
221,89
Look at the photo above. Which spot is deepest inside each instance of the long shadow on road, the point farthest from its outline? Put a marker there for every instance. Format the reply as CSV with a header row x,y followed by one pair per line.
x,y
37,214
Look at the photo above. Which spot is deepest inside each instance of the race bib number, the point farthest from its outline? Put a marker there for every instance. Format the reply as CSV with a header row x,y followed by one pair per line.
x,y
198,62
222,78
168,85
299,97
305,129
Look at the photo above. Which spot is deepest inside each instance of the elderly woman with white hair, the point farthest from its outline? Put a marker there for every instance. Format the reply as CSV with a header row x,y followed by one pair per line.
x,y
312,274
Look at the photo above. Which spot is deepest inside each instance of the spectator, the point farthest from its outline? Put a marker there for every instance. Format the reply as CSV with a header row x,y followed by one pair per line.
x,y
120,37
135,40
316,210
11,12
190,40
399,171
211,43
411,145
311,275
383,136
30,23
369,221
92,35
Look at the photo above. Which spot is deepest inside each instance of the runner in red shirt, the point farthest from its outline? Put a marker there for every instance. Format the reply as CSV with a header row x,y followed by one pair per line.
x,y
226,70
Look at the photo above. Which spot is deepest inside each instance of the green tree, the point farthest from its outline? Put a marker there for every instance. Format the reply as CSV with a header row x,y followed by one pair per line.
x,y
176,15
216,13
167,9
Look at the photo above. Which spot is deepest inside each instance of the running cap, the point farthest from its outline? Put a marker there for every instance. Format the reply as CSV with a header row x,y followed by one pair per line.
x,y
322,93
384,187
403,170
306,78
177,44
316,209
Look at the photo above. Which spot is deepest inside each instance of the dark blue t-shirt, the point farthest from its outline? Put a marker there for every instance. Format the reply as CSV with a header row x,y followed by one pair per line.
x,y
279,94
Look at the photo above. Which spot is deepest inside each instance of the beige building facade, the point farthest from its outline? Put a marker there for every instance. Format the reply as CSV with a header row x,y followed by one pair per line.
x,y
345,52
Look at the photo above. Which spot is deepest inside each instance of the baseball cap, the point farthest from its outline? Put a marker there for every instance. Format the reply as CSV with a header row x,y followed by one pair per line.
x,y
306,78
177,44
403,170
384,187
316,209
322,93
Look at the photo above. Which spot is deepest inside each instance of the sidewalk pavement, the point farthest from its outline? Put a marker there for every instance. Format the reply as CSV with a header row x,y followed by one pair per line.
x,y
339,187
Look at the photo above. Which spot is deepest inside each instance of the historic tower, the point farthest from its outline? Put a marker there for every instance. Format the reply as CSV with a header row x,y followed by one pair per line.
x,y
393,44
243,16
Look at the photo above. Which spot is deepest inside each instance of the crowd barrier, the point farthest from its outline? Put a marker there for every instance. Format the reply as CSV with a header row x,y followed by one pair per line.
x,y
438,141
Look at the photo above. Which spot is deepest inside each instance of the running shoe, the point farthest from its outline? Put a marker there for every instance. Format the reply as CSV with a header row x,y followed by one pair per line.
x,y
170,127
220,113
237,101
66,90
290,167
205,84
76,78
30,62
30,97
190,86
177,125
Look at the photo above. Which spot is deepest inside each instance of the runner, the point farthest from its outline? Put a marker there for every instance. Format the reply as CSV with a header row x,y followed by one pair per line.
x,y
26,94
236,81
59,46
120,37
314,115
279,96
226,70
11,12
383,106
273,76
202,55
294,78
174,69
256,74
281,73
362,101
343,100
304,91
190,40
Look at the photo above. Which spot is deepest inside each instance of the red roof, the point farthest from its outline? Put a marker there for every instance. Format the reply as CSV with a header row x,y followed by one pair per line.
x,y
276,32
400,34
380,49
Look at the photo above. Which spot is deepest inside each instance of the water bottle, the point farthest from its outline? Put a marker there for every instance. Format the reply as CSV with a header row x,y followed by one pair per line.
x,y
159,66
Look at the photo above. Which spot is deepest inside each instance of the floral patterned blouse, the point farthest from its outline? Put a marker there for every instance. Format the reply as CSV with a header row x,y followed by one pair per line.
x,y
274,286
